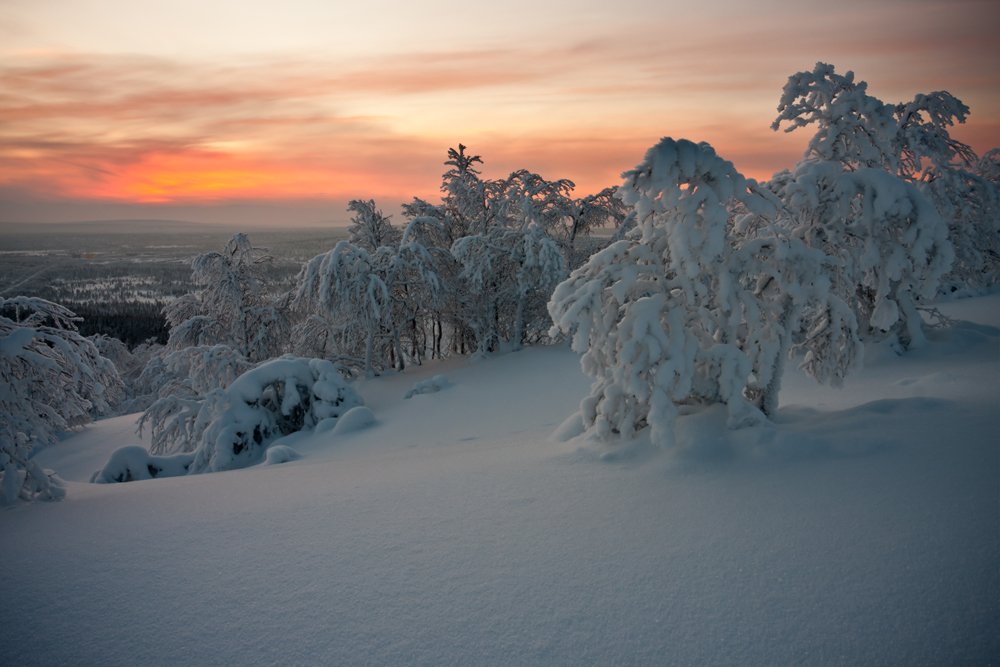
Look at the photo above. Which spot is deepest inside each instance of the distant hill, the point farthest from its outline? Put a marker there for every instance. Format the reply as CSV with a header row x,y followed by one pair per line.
x,y
147,226
157,226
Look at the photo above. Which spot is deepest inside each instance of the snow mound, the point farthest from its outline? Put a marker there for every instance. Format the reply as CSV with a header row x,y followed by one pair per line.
x,y
571,427
277,454
354,419
133,462
428,386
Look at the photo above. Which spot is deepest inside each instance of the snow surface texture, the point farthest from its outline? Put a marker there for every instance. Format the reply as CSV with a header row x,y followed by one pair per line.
x,y
861,529
434,384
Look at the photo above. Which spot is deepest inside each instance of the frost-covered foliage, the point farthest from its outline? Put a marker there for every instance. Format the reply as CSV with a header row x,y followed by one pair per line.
x,y
427,284
470,274
370,309
370,228
891,242
851,126
52,379
970,205
854,198
231,306
233,427
184,378
512,240
950,174
217,333
508,275
525,198
466,202
603,209
684,312
140,387
277,398
344,290
129,366
988,166
418,277
922,139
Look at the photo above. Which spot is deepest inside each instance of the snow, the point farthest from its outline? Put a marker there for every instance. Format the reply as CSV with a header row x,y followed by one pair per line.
x,y
431,386
133,462
471,527
277,454
355,419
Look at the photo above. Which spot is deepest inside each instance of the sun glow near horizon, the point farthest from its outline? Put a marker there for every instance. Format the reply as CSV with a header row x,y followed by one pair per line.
x,y
113,102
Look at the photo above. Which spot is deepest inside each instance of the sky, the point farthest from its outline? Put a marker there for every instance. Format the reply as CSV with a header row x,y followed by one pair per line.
x,y
256,112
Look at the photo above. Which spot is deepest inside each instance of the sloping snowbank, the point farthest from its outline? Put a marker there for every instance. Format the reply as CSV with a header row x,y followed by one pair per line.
x,y
862,529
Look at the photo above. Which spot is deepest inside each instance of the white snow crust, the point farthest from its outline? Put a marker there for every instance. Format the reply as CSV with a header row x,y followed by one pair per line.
x,y
478,528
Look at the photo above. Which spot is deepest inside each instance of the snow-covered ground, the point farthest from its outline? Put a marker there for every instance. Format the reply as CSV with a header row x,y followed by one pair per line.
x,y
862,528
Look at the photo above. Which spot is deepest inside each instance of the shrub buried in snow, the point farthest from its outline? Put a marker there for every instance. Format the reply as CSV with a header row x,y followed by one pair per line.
x,y
233,427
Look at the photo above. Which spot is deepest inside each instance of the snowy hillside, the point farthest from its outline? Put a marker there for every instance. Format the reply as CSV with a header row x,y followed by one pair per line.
x,y
862,528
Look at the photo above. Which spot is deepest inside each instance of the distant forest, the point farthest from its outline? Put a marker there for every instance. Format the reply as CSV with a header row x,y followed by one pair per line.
x,y
118,276
131,322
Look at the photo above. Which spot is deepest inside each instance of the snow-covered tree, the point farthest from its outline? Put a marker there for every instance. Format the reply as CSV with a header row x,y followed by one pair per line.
x,y
891,242
217,332
849,197
466,203
137,368
370,228
344,290
437,291
507,276
851,126
231,306
946,171
685,312
417,288
139,390
370,307
922,139
538,268
53,380
483,238
988,166
970,205
525,198
586,214
184,378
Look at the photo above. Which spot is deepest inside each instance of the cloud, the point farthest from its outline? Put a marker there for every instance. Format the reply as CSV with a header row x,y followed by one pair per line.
x,y
580,106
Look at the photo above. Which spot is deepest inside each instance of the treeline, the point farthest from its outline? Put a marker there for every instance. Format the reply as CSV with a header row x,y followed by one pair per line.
x,y
131,322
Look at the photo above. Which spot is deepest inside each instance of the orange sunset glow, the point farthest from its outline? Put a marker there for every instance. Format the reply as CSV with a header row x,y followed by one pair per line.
x,y
116,109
